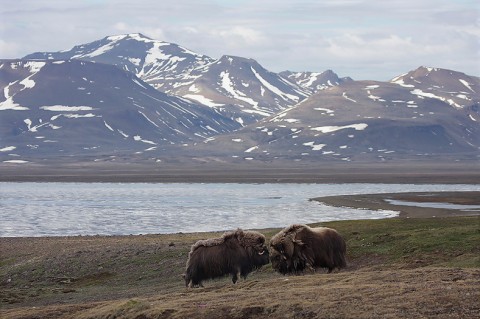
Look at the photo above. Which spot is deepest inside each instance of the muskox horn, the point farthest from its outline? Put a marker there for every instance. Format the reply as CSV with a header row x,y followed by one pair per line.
x,y
288,246
298,242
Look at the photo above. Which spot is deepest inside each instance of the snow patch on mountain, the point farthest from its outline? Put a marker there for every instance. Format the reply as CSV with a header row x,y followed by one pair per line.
x,y
8,104
329,129
344,94
63,108
202,100
274,89
228,86
468,85
315,147
7,148
420,93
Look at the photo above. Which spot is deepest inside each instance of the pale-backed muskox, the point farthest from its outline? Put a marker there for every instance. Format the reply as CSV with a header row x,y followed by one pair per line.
x,y
299,247
235,253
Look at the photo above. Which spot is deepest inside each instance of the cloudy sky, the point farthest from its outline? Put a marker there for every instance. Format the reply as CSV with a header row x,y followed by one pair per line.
x,y
364,39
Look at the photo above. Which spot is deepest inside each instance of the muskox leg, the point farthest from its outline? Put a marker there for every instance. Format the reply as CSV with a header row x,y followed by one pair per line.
x,y
195,283
235,276
187,280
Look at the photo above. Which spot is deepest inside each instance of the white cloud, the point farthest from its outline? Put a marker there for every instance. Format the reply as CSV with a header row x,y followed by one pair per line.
x,y
8,48
238,36
122,27
373,39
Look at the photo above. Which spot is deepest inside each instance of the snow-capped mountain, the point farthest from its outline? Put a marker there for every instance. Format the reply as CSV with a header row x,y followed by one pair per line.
x,y
242,85
60,108
129,95
161,64
232,85
428,113
314,81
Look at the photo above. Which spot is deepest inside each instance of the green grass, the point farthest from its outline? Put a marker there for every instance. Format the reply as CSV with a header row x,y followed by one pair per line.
x,y
129,266
453,242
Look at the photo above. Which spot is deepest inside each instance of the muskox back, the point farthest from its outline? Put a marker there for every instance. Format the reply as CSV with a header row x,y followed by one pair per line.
x,y
299,247
236,253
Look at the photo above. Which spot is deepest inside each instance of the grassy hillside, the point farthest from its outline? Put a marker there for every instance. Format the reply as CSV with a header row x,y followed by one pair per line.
x,y
397,268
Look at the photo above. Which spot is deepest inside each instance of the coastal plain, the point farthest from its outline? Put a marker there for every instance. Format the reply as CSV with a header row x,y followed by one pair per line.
x,y
423,263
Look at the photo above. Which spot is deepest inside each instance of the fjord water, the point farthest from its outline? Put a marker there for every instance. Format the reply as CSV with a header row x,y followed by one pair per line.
x,y
69,209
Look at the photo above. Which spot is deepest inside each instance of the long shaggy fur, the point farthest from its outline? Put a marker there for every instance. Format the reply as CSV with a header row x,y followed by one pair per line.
x,y
299,247
236,253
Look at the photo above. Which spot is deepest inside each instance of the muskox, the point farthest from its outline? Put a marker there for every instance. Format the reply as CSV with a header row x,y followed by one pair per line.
x,y
235,253
299,247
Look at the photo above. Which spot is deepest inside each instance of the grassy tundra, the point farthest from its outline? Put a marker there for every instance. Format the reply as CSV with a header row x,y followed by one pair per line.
x,y
401,267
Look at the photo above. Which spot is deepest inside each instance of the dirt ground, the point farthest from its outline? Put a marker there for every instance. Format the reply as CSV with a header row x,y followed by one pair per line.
x,y
402,172
400,293
390,274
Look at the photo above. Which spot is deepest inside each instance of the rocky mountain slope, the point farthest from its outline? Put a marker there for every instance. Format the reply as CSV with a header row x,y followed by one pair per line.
x,y
243,85
314,81
425,114
230,84
77,108
161,64
129,96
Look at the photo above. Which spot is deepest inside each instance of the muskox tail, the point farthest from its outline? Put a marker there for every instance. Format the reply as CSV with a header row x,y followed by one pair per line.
x,y
340,261
339,257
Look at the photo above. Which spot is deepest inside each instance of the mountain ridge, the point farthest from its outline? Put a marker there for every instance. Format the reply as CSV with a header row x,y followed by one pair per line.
x,y
95,109
172,69
229,109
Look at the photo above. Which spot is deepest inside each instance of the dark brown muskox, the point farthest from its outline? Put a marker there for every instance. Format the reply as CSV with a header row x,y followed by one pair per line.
x,y
236,253
299,247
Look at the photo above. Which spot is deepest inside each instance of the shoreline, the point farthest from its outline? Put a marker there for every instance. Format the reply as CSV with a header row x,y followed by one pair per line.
x,y
378,202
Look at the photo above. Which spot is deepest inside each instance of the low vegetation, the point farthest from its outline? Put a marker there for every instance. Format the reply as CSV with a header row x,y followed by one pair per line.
x,y
397,268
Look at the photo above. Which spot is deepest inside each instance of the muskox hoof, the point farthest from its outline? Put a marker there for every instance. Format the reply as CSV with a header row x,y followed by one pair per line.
x,y
235,278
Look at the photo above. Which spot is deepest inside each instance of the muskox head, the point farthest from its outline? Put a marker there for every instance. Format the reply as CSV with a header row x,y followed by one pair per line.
x,y
299,247
285,251
235,253
254,244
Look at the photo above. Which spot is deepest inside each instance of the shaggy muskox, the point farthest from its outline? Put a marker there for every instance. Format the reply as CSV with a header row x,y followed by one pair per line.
x,y
236,253
299,247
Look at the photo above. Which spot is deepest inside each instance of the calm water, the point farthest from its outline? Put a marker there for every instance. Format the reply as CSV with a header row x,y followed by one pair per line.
x,y
56,209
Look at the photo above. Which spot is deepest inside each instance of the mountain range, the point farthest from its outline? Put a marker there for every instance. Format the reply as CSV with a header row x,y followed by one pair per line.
x,y
132,98
425,114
